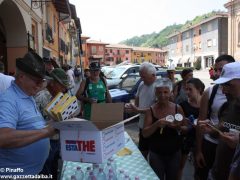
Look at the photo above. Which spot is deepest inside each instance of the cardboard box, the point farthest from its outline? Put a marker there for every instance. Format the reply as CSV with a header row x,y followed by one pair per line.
x,y
93,141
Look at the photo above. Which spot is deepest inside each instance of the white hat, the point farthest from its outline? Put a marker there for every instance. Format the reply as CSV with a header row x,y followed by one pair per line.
x,y
171,68
230,71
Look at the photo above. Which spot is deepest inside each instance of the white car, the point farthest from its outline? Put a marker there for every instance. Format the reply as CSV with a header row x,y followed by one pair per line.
x,y
115,76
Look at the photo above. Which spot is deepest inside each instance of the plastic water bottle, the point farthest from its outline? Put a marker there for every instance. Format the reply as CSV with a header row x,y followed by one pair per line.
x,y
126,177
73,177
88,170
91,176
113,165
79,174
191,119
101,175
107,168
111,175
120,175
95,169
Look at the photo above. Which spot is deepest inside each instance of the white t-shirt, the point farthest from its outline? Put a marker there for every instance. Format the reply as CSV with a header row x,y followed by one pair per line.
x,y
5,81
218,101
146,95
70,74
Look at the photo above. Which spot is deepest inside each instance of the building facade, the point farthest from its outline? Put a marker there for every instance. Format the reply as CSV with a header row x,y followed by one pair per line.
x,y
42,26
201,43
233,7
117,53
144,54
95,51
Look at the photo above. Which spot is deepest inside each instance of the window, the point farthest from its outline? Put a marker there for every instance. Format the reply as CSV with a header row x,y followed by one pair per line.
x,y
127,51
214,42
199,31
209,27
100,48
94,50
149,54
118,52
110,50
194,47
200,45
209,43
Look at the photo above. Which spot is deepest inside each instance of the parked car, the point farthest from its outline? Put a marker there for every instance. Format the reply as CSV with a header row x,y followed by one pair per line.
x,y
115,76
127,88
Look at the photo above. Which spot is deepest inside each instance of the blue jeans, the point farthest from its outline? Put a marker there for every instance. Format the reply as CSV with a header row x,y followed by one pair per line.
x,y
51,164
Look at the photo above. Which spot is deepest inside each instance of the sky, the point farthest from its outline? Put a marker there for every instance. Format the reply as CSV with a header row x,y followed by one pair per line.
x,y
112,21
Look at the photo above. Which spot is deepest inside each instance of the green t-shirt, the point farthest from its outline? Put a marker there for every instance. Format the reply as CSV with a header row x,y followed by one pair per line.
x,y
96,91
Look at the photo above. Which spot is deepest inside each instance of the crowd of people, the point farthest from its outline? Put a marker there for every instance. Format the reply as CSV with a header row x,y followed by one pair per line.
x,y
176,118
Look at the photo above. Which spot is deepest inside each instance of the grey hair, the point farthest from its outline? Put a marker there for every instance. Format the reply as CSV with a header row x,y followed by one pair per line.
x,y
164,82
149,67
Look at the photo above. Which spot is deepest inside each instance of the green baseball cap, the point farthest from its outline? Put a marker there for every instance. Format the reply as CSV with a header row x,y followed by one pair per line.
x,y
60,76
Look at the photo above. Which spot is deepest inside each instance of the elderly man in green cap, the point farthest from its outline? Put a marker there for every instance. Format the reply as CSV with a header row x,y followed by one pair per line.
x,y
58,83
24,142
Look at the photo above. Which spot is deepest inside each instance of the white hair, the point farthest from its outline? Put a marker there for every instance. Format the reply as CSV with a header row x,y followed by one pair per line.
x,y
164,82
149,67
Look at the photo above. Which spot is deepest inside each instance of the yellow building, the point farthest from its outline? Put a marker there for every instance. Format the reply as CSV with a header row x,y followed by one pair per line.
x,y
144,54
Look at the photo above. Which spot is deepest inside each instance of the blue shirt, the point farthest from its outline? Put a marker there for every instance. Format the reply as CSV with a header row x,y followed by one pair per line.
x,y
19,111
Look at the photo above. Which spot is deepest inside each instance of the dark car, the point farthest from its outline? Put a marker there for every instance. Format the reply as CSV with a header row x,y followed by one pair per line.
x,y
127,88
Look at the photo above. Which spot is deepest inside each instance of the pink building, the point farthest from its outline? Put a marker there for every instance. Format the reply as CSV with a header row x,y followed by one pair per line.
x,y
95,51
117,53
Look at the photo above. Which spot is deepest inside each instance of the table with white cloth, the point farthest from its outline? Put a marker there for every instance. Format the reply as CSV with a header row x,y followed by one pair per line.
x,y
134,165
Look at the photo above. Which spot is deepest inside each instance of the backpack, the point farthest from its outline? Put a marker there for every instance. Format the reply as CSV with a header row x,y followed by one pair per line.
x,y
76,72
87,83
210,102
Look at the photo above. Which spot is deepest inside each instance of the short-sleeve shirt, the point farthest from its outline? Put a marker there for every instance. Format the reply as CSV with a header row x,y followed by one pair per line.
x,y
146,95
218,101
19,111
5,81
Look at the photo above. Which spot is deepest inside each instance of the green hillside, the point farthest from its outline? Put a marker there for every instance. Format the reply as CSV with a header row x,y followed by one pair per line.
x,y
160,39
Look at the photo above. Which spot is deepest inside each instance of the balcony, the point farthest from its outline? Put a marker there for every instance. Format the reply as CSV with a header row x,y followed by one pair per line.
x,y
49,33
